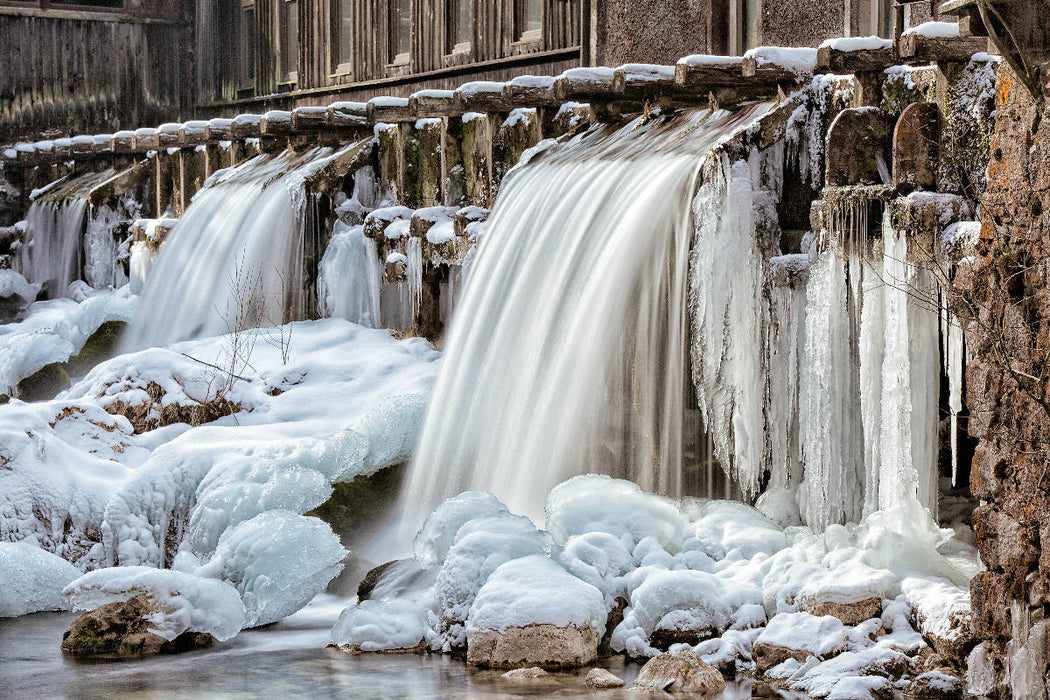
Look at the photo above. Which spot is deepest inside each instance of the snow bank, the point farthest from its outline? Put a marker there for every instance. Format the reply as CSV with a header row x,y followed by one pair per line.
x,y
185,602
533,591
53,331
31,579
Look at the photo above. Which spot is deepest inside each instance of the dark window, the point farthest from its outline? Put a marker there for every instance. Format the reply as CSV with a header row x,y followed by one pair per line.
x,y
458,25
247,47
289,31
400,30
883,11
528,18
343,32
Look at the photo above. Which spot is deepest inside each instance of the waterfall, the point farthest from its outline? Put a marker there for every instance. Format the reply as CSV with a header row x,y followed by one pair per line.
x,y
568,351
53,250
235,258
68,239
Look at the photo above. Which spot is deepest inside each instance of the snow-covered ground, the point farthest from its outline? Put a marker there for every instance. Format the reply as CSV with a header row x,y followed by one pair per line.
x,y
202,458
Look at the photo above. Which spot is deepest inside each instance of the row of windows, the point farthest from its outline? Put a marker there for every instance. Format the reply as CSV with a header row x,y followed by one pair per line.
x,y
157,9
458,22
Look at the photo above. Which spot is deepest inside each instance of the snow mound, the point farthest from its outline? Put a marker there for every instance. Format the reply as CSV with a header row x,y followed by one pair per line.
x,y
185,602
278,561
600,559
12,284
726,528
32,579
532,591
440,528
598,503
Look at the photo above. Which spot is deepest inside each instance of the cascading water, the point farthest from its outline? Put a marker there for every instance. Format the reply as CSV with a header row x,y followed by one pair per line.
x,y
53,252
568,351
235,259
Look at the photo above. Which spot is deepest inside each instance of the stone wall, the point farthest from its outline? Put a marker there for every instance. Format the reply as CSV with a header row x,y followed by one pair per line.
x,y
1006,290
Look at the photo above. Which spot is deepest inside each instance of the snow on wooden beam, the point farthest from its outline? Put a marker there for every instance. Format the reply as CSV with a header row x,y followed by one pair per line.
x,y
855,55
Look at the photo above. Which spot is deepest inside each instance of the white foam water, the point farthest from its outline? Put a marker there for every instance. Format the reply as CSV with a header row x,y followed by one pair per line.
x,y
568,351
235,258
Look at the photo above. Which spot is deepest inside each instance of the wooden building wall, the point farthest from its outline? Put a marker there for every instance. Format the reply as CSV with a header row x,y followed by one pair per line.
x,y
495,52
64,72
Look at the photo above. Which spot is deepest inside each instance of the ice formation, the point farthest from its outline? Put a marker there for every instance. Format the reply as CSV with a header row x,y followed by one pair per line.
x,y
33,579
349,277
278,561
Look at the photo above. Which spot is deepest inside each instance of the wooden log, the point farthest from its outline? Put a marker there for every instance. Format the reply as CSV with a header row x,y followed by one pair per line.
x,y
276,122
916,48
124,181
168,135
530,91
346,115
699,73
329,177
309,118
481,96
389,110
219,130
841,57
246,126
465,216
779,64
193,133
584,84
123,142
432,103
64,148
82,145
644,81
102,144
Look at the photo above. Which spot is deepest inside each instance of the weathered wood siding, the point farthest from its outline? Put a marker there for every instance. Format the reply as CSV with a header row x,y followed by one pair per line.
x,y
63,75
495,51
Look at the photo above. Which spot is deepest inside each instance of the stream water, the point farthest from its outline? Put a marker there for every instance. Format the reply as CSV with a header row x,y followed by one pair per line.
x,y
287,659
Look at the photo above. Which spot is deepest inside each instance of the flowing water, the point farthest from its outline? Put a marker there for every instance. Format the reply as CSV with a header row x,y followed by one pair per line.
x,y
569,351
235,259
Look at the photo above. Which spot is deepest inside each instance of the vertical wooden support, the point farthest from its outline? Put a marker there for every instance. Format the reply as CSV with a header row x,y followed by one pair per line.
x,y
476,144
162,184
916,147
391,157
519,132
422,163
193,167
453,181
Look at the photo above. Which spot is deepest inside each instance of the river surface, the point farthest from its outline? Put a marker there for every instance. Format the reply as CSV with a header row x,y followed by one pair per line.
x,y
284,660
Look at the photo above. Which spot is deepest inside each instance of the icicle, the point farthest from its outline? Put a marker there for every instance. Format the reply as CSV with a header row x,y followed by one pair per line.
x,y
349,277
415,272
956,367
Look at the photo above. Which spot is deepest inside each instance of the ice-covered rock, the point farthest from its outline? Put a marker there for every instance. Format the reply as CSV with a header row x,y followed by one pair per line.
x,y
724,528
799,636
278,561
180,602
481,546
601,678
936,684
32,579
672,607
125,629
600,559
531,611
381,625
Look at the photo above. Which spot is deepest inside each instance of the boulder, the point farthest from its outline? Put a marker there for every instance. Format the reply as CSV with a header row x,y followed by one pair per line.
x,y
939,683
601,678
123,630
533,645
767,656
525,674
679,672
849,613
